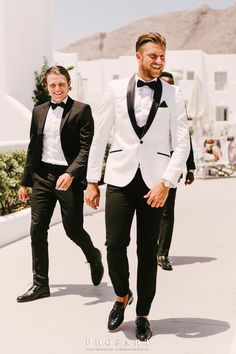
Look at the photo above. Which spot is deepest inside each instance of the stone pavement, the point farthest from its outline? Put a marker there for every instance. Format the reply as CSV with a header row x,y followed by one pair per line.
x,y
194,311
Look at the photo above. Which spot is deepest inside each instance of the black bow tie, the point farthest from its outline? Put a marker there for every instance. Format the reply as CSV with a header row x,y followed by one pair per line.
x,y
151,84
55,105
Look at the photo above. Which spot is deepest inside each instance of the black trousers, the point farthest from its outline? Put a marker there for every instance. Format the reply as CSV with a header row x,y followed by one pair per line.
x,y
121,204
43,201
167,224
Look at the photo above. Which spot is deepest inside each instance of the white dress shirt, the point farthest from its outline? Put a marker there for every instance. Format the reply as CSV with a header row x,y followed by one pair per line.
x,y
142,102
52,150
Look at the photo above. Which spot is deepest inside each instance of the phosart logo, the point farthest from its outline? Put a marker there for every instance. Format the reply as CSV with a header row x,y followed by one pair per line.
x,y
115,345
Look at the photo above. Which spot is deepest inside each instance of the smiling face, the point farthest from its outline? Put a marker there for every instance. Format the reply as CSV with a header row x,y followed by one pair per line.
x,y
57,86
151,60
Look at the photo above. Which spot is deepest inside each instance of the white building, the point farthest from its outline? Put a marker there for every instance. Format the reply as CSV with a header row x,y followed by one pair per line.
x,y
216,72
25,38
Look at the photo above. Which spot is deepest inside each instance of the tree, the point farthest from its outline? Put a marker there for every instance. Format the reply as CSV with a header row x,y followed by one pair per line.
x,y
41,93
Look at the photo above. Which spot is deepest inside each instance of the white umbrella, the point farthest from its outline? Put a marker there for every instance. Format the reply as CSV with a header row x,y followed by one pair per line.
x,y
198,111
198,106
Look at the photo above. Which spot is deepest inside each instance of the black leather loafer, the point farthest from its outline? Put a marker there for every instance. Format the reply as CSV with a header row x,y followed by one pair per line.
x,y
164,263
116,316
34,293
97,269
143,330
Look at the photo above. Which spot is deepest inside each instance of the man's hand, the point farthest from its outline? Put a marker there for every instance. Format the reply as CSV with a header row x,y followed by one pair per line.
x,y
64,181
189,178
92,195
156,197
23,194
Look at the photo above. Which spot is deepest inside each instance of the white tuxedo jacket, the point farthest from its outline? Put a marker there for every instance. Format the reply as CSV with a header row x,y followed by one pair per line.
x,y
166,130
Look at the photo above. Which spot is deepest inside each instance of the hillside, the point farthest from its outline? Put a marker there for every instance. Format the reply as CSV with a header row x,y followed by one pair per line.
x,y
204,28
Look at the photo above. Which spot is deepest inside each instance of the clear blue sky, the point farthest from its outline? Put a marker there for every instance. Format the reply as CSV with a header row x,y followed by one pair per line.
x,y
75,19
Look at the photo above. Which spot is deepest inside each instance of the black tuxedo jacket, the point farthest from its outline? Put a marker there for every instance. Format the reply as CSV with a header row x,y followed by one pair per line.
x,y
77,128
190,161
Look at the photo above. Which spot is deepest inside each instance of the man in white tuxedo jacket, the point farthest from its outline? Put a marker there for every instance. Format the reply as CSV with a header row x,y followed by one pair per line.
x,y
147,119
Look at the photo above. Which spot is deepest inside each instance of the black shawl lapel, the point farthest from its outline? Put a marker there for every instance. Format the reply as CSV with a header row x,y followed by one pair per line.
x,y
42,118
66,112
155,104
130,104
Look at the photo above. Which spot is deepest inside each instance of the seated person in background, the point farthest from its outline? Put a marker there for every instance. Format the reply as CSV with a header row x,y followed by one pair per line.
x,y
211,150
232,151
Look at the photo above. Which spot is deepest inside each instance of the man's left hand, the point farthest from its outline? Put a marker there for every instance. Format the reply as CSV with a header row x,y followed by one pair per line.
x,y
189,178
157,196
64,181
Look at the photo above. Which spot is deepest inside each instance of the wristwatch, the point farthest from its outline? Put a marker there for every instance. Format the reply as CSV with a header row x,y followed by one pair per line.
x,y
166,183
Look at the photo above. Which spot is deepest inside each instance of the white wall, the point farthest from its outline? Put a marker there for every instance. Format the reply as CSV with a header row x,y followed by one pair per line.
x,y
2,43
25,34
28,38
225,97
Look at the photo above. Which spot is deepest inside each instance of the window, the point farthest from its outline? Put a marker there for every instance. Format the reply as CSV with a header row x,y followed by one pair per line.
x,y
221,114
220,80
190,75
178,75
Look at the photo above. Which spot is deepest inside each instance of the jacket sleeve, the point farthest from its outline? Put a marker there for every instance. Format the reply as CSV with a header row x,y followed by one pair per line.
x,y
103,127
26,179
179,132
79,165
190,164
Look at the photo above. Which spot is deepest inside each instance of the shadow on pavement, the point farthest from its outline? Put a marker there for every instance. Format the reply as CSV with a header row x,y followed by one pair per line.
x,y
185,327
182,260
102,293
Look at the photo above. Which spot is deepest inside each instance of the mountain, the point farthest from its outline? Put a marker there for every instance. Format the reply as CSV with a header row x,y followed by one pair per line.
x,y
210,30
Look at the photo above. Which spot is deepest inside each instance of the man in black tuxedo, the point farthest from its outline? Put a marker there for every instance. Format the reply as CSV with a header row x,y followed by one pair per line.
x,y
60,137
167,223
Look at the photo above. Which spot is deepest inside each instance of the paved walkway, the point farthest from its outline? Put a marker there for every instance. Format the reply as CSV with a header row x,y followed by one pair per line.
x,y
194,311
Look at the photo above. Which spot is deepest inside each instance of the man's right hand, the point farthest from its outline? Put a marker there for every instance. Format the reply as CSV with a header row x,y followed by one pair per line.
x,y
23,194
92,195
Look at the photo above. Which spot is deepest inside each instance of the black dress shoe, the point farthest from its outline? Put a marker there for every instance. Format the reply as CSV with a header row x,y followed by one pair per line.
x,y
116,316
143,330
97,269
164,263
34,293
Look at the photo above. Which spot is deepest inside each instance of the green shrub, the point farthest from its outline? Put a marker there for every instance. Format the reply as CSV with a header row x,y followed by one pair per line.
x,y
11,169
40,93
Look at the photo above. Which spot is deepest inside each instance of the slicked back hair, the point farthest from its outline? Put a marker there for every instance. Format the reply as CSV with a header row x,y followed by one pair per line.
x,y
153,37
58,70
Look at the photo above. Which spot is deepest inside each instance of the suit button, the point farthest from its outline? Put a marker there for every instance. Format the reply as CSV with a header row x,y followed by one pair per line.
x,y
141,142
